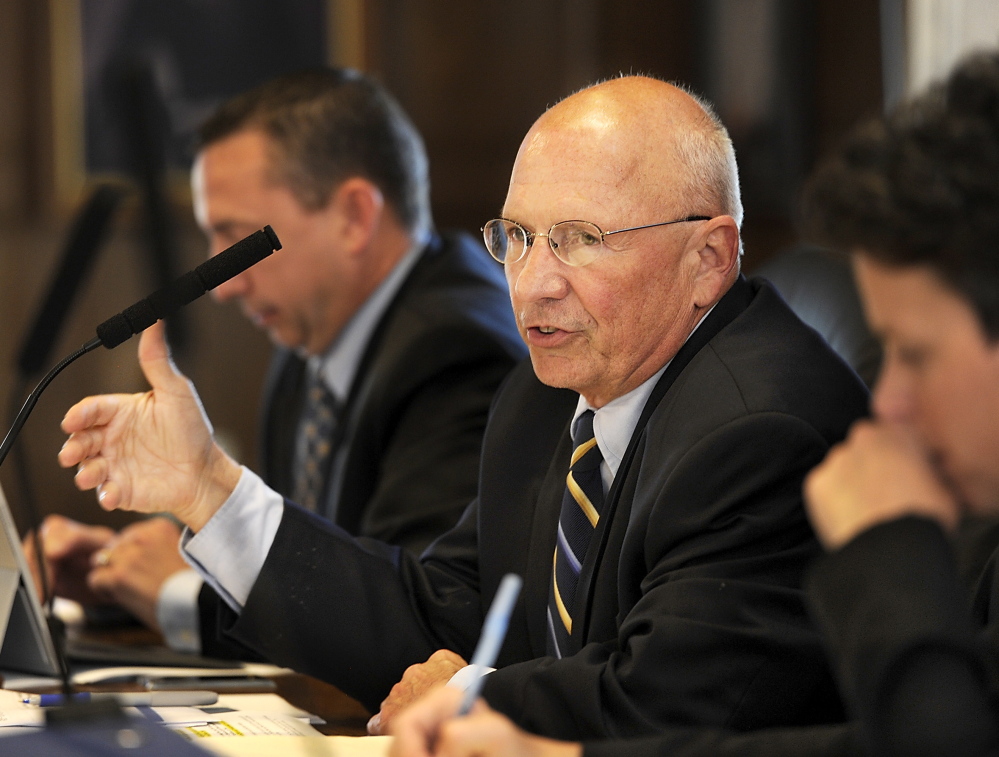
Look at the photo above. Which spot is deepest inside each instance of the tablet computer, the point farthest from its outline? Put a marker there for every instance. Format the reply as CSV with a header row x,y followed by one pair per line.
x,y
27,645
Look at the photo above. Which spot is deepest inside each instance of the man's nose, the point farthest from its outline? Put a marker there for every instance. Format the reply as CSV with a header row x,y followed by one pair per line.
x,y
539,274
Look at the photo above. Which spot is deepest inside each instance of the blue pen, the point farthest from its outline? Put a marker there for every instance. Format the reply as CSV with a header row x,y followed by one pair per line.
x,y
493,632
130,698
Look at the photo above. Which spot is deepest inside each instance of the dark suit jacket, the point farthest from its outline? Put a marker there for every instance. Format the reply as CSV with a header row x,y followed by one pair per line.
x,y
917,667
413,422
694,613
418,407
892,605
835,740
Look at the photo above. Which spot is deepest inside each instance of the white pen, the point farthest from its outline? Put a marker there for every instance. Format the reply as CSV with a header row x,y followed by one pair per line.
x,y
130,698
493,633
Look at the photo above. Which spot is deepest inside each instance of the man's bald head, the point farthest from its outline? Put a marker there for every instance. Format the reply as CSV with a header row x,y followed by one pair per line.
x,y
648,137
651,167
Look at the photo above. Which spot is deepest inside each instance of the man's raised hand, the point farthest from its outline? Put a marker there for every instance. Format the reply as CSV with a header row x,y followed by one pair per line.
x,y
153,451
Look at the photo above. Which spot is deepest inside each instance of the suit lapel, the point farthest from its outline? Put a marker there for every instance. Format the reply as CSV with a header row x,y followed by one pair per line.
x,y
282,411
365,383
735,301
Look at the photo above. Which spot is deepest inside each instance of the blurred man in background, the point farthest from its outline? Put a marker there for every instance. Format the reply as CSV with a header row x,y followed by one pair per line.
x,y
391,339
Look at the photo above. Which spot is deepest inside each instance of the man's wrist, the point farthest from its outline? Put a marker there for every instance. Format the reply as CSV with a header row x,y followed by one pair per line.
x,y
216,486
231,548
543,747
840,531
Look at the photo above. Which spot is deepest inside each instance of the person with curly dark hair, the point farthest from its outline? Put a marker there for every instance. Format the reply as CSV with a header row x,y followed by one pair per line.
x,y
921,188
916,200
390,340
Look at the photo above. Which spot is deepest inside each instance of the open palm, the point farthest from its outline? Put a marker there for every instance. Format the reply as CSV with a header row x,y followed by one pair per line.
x,y
153,451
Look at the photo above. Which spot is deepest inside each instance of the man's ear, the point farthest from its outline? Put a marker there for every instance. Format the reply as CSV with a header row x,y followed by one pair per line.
x,y
357,207
718,259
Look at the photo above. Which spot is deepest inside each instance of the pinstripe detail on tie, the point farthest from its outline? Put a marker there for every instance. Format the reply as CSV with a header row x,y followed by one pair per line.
x,y
314,445
579,516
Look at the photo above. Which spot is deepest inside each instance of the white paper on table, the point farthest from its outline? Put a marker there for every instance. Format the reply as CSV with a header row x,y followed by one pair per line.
x,y
300,746
269,704
173,716
25,715
14,712
249,724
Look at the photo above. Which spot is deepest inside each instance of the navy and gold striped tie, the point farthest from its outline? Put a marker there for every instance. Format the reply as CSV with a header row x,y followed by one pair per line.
x,y
580,514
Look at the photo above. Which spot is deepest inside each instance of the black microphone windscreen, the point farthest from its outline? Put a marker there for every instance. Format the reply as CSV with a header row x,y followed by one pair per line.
x,y
167,300
238,258
114,331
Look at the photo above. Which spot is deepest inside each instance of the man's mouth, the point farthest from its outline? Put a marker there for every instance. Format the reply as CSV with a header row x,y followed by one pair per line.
x,y
548,329
260,317
548,337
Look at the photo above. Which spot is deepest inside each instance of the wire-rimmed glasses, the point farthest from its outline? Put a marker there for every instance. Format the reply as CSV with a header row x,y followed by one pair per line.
x,y
575,243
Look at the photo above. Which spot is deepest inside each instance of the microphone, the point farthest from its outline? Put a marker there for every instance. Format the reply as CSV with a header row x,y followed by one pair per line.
x,y
140,316
189,287
143,314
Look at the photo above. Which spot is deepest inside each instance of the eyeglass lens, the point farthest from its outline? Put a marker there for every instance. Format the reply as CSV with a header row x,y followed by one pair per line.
x,y
574,242
504,240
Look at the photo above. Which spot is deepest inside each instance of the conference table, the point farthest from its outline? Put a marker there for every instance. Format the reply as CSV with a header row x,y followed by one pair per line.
x,y
344,716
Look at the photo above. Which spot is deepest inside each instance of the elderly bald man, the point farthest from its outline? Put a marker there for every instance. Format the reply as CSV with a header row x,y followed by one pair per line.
x,y
642,473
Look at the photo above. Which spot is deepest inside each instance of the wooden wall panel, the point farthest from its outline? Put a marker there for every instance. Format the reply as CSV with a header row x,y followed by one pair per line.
x,y
474,76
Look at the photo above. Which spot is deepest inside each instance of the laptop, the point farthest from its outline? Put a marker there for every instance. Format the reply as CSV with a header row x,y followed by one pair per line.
x,y
27,643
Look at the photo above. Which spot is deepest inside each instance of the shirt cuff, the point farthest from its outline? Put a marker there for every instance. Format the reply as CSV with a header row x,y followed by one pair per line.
x,y
177,611
229,552
464,677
